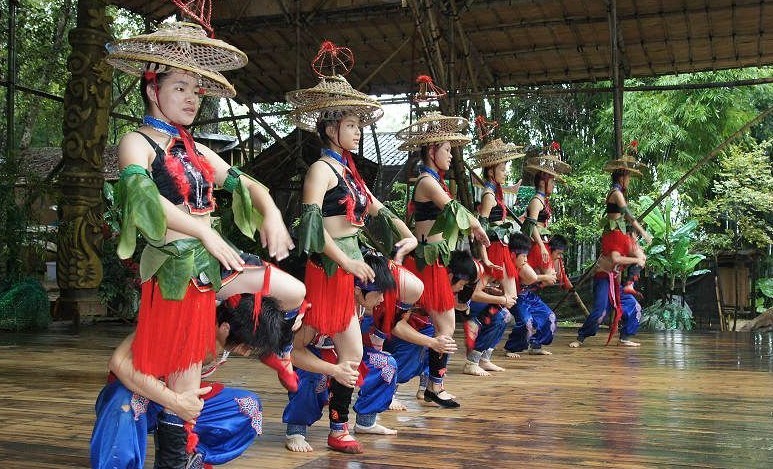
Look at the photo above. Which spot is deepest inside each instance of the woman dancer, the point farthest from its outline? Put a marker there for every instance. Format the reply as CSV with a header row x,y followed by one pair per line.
x,y
336,202
166,192
439,220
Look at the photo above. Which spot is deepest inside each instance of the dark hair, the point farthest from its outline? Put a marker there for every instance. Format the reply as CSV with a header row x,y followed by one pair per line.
x,y
617,175
540,176
465,294
144,87
558,243
384,280
462,267
485,174
519,243
273,334
321,127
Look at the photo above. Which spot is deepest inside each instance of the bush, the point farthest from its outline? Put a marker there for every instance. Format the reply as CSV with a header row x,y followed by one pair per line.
x,y
25,306
667,316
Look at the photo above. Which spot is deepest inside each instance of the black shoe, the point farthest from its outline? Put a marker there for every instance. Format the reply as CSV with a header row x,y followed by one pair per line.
x,y
430,396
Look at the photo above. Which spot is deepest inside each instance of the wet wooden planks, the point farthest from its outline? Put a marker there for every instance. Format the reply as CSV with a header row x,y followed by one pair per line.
x,y
685,400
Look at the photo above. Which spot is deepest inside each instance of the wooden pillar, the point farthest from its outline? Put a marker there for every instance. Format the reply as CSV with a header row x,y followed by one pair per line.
x,y
86,112
618,80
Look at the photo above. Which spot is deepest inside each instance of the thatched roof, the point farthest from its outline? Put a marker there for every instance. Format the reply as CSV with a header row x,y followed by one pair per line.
x,y
483,45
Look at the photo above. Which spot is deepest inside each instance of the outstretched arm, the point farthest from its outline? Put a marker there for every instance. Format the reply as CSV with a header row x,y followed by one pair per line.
x,y
186,405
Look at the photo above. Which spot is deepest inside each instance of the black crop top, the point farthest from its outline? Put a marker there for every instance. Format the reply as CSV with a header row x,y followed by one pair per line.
x,y
544,215
614,208
174,173
497,213
424,211
335,200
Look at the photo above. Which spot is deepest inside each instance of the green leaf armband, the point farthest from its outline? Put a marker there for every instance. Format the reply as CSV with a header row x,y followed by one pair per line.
x,y
528,226
311,232
454,219
247,218
140,206
383,226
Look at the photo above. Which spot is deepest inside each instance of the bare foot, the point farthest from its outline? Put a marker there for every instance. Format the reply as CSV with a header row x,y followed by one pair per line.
x,y
512,355
539,351
376,429
628,343
488,365
298,444
575,344
397,405
471,368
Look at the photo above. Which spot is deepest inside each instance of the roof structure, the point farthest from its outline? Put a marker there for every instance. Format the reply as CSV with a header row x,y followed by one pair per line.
x,y
474,46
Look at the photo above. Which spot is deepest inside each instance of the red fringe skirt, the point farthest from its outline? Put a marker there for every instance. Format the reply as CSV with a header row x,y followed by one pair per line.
x,y
616,240
172,335
499,254
331,298
437,295
535,258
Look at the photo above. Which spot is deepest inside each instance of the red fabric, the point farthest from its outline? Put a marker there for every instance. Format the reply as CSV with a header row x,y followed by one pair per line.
x,y
616,240
387,308
287,377
331,298
216,388
499,254
535,257
437,295
614,297
173,335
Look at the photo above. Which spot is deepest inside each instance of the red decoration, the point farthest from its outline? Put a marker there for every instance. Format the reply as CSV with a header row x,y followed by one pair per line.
x,y
332,60
428,91
199,11
484,127
555,146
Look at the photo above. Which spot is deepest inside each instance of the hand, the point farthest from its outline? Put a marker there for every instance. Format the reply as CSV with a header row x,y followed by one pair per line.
x,y
509,301
480,234
545,255
491,266
443,344
403,247
360,269
550,277
188,404
223,252
641,261
275,237
346,373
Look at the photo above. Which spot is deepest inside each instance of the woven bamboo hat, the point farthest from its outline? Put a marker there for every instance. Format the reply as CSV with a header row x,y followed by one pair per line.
x,y
628,161
496,152
432,128
184,46
548,162
331,99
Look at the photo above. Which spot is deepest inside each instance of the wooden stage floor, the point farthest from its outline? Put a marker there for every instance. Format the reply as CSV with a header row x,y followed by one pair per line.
x,y
681,400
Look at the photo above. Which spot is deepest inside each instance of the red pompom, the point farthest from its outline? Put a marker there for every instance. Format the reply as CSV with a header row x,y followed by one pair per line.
x,y
555,146
423,79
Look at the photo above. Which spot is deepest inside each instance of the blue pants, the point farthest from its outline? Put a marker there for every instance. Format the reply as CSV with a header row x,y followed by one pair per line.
x,y
535,324
305,405
491,324
601,306
629,323
227,426
412,360
378,387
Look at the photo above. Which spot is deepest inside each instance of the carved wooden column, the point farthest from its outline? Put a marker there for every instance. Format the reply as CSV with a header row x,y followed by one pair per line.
x,y
86,112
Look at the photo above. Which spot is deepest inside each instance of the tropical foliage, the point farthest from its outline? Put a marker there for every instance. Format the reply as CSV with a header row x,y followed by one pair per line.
x,y
663,315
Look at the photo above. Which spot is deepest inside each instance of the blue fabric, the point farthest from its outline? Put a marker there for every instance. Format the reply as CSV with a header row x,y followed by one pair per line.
x,y
412,360
629,323
601,306
306,405
380,382
228,425
491,324
536,319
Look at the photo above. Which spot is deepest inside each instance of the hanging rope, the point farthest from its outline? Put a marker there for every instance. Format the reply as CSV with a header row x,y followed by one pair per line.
x,y
199,11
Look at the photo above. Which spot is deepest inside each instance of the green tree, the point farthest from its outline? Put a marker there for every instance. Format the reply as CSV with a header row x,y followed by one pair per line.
x,y
739,212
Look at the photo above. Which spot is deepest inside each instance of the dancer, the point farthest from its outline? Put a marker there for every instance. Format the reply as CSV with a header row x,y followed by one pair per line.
x,y
487,315
413,335
166,192
316,360
618,250
336,202
227,420
492,212
545,168
439,220
535,322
